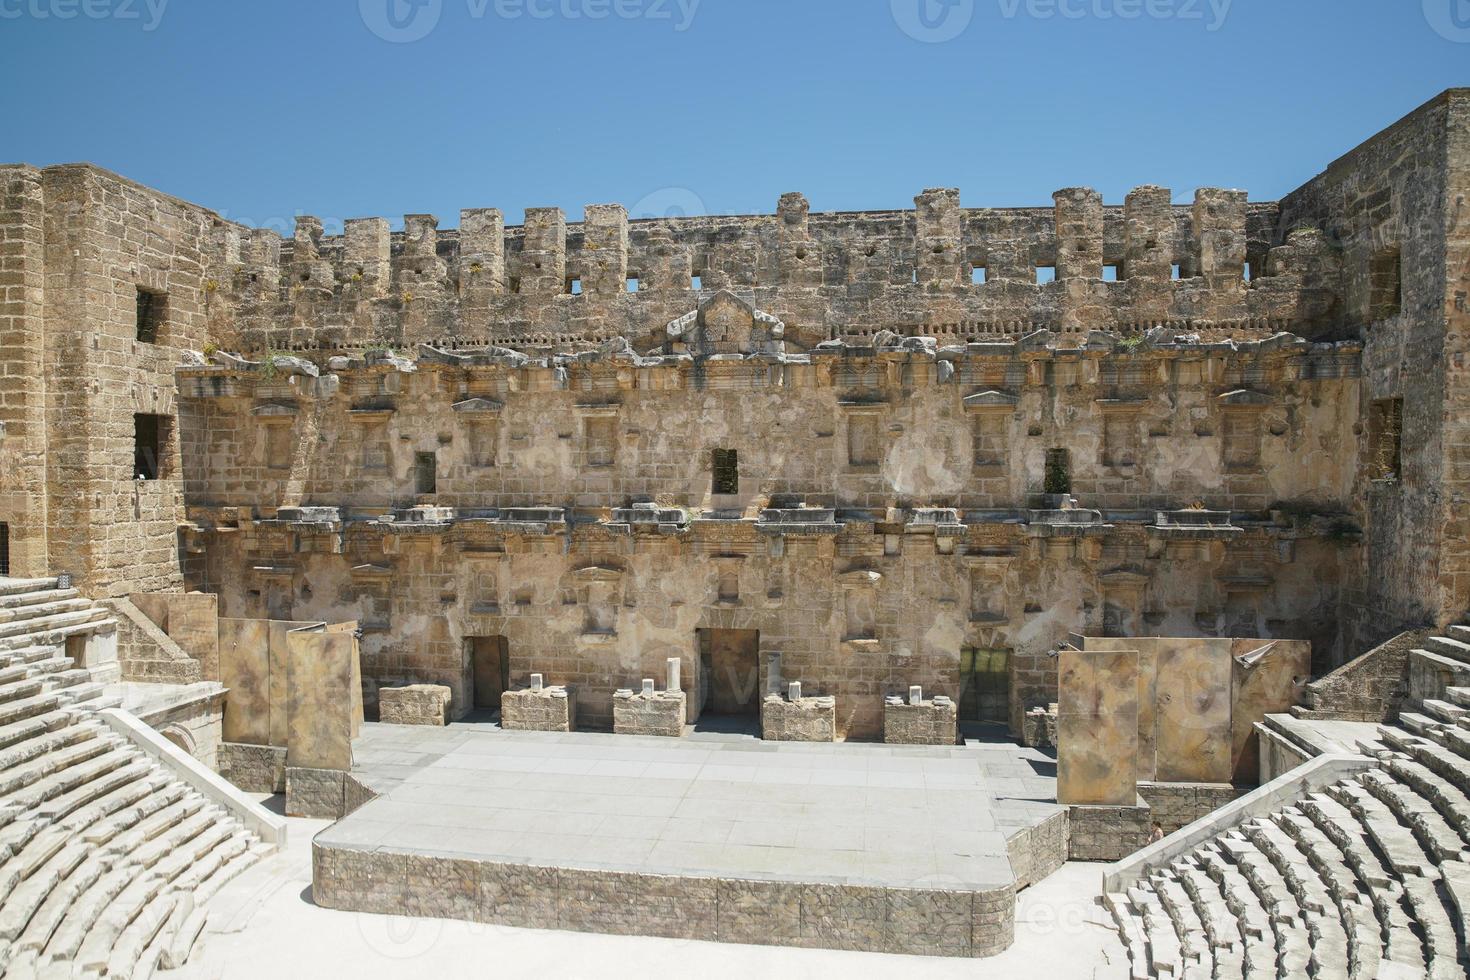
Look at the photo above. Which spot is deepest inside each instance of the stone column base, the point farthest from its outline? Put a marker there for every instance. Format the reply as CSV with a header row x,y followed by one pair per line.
x,y
662,713
806,720
253,768
417,704
318,793
551,709
925,723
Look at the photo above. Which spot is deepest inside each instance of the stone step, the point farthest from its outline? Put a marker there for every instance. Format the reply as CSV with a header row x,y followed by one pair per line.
x,y
20,904
1164,953
63,755
43,625
1219,923
1431,674
17,599
80,916
165,795
235,845
1130,929
1447,799
1449,646
1258,937
42,847
81,694
183,937
12,712
56,636
1458,695
1420,724
1444,711
1394,841
1455,878
62,806
233,868
96,948
1293,943
32,727
21,586
84,818
1437,838
43,923
72,775
45,743
1341,827
16,834
19,656
1440,938
23,612
155,825
1355,912
126,951
26,687
1194,944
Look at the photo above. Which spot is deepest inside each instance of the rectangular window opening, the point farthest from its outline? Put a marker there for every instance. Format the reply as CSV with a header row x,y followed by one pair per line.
x,y
632,284
574,286
1386,439
1249,273
696,281
1176,271
1386,285
1045,274
152,308
425,473
978,274
150,436
1110,273
726,466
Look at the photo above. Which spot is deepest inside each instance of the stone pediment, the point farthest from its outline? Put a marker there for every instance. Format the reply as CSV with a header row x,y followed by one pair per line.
x,y
726,324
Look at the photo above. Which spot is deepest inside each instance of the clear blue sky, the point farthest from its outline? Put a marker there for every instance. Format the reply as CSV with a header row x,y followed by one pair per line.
x,y
263,109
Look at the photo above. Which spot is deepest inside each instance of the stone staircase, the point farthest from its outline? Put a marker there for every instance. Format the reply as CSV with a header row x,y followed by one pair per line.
x,y
1443,663
106,857
1367,878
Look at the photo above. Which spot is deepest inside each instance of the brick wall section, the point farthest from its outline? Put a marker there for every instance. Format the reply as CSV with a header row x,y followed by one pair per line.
x,y
1454,572
1107,833
1175,805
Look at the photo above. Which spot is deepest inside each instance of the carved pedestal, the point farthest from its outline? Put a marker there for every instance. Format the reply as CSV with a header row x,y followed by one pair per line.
x,y
551,709
803,720
933,722
661,713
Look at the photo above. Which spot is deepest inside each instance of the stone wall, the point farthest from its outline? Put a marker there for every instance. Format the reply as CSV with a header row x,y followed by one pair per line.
x,y
823,916
1107,833
1175,805
1371,688
417,704
1393,209
534,540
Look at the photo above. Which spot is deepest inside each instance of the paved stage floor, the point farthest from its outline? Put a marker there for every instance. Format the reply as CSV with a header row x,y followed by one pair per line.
x,y
725,805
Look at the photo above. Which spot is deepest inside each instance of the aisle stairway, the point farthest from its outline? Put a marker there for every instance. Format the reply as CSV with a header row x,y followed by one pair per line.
x,y
106,857
1367,878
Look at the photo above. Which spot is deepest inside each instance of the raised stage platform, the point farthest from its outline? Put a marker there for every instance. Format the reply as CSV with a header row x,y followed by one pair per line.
x,y
910,849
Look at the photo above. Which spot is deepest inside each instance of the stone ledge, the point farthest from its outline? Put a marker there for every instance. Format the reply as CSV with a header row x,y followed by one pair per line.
x,y
662,713
803,720
917,921
926,723
549,709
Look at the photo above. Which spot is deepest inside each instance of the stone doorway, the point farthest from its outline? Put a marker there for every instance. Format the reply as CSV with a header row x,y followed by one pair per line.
x,y
489,663
985,686
731,665
4,548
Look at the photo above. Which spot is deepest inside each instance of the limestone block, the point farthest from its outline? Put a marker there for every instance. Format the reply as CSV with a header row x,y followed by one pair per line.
x,y
551,709
933,722
253,768
1097,727
316,793
806,720
662,713
417,704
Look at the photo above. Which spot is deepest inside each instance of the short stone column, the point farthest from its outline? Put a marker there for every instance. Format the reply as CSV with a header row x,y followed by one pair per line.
x,y
649,713
801,719
920,722
417,704
539,709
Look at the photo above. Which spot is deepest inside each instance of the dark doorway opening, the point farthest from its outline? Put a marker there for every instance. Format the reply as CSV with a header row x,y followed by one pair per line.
x,y
730,661
4,548
489,658
425,473
985,686
150,433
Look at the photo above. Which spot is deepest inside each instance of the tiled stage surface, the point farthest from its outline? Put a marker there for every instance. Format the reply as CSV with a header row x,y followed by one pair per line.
x,y
717,805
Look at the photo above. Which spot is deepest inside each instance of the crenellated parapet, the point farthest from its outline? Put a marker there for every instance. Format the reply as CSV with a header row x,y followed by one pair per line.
x,y
1219,267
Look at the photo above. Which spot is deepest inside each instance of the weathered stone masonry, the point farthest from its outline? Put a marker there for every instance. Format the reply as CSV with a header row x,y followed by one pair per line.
x,y
1254,406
